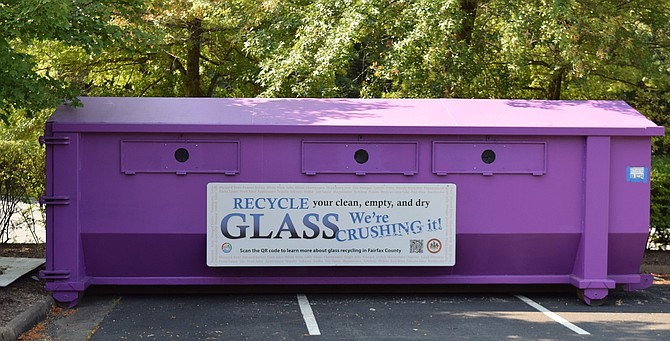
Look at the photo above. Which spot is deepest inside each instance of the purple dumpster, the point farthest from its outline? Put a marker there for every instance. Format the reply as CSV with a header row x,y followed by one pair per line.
x,y
167,191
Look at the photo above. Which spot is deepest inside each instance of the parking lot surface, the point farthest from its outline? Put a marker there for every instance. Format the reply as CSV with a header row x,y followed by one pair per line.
x,y
509,315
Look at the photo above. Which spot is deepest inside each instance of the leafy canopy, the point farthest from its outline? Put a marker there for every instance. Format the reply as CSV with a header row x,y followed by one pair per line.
x,y
90,25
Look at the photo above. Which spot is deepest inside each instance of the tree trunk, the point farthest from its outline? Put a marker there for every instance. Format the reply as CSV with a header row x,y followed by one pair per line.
x,y
193,88
469,9
555,84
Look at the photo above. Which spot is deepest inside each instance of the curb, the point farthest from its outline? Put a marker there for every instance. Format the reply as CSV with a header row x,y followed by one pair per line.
x,y
657,269
26,320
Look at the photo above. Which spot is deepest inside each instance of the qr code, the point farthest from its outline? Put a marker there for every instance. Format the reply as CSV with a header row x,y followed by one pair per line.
x,y
416,246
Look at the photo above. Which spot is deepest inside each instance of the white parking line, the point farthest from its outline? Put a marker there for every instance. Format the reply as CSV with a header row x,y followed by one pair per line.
x,y
552,315
308,315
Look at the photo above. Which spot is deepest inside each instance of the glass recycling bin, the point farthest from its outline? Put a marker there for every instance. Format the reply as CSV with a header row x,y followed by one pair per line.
x,y
195,191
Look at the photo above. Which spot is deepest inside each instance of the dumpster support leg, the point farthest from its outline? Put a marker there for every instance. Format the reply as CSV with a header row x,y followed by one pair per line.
x,y
64,273
590,270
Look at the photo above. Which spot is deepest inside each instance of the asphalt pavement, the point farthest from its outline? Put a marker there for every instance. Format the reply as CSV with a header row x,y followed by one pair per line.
x,y
485,315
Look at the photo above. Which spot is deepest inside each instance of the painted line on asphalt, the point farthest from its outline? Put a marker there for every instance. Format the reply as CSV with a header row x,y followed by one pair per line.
x,y
552,315
308,315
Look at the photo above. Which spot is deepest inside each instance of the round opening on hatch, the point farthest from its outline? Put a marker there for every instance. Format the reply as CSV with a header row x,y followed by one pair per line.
x,y
181,155
361,156
488,156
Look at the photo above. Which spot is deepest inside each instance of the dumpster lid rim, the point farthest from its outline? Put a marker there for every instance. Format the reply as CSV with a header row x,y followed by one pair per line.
x,y
266,115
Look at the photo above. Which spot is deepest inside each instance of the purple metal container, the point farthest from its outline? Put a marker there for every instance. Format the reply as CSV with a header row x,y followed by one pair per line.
x,y
549,192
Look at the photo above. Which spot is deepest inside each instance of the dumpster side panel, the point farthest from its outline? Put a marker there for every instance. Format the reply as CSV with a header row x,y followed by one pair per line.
x,y
629,203
525,203
630,196
157,219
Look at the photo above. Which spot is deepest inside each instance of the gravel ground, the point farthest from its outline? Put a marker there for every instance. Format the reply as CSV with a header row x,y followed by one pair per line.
x,y
20,295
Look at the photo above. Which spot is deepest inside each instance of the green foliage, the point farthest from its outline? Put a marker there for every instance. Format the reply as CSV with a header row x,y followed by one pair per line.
x,y
654,104
21,127
22,88
178,48
22,169
22,157
21,178
469,48
660,201
90,25
559,49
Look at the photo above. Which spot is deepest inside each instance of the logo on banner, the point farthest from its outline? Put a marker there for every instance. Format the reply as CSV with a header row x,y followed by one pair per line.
x,y
434,245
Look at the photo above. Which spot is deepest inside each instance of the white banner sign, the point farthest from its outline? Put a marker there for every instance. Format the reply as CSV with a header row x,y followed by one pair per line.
x,y
327,224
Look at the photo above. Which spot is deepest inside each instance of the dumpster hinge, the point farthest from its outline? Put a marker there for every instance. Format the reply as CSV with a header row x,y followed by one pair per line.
x,y
55,274
55,200
53,140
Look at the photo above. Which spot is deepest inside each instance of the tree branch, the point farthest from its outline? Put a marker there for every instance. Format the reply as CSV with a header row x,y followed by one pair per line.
x,y
209,60
176,64
539,63
641,86
623,4
212,84
146,88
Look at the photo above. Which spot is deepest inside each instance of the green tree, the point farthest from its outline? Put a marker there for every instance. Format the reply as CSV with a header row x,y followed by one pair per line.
x,y
585,48
549,49
90,25
180,48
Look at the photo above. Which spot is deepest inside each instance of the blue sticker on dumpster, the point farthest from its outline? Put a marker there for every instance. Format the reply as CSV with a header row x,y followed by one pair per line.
x,y
637,174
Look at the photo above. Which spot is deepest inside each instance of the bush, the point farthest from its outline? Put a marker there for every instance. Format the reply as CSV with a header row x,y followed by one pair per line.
x,y
21,179
659,236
